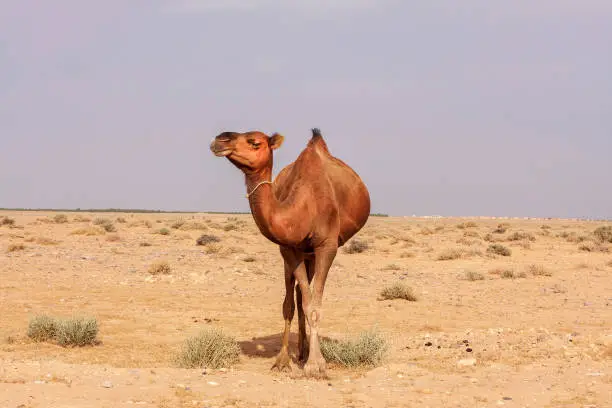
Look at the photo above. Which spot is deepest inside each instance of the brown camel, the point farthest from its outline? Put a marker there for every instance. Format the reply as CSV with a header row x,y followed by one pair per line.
x,y
315,205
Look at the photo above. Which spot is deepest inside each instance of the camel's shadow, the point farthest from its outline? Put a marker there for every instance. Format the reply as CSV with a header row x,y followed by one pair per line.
x,y
269,346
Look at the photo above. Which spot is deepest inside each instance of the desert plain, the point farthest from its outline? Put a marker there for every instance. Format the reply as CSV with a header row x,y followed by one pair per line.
x,y
508,312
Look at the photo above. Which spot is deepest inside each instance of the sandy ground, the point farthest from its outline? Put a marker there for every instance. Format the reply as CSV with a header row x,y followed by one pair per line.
x,y
535,340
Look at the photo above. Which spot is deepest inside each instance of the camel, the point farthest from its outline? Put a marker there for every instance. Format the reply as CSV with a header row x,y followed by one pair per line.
x,y
314,206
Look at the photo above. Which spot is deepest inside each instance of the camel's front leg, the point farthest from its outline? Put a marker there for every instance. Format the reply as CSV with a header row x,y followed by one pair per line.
x,y
292,262
311,302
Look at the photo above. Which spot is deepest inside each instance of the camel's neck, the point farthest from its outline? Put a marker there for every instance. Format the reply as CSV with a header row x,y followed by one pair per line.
x,y
264,205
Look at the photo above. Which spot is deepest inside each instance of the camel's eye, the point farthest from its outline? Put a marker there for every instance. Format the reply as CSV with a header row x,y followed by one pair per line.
x,y
254,143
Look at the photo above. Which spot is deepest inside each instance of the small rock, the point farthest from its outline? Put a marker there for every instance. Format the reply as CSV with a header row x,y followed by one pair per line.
x,y
213,383
107,384
507,398
428,344
469,350
466,362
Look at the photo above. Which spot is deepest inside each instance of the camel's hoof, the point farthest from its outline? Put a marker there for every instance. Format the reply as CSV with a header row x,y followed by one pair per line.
x,y
315,369
283,362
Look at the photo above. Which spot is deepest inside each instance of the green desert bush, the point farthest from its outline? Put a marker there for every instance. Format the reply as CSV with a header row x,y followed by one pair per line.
x,y
367,350
211,348
398,291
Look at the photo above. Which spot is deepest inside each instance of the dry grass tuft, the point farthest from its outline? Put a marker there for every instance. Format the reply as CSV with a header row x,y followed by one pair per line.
x,y
520,236
209,349
120,220
538,270
391,267
450,254
499,249
398,291
42,328
81,218
469,224
356,246
66,332
604,234
473,276
501,228
368,350
106,224
507,273
76,332
7,221
60,219
407,255
206,239
89,231
163,231
15,248
160,268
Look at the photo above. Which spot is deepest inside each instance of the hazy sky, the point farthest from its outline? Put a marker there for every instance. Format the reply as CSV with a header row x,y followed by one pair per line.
x,y
448,107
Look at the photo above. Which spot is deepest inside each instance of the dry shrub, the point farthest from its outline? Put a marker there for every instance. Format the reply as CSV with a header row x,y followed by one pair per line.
x,y
211,348
9,222
538,270
66,332
473,276
391,267
426,231
356,246
178,223
212,248
140,223
398,291
106,224
471,234
520,235
249,259
368,350
145,244
88,231
160,268
604,234
15,248
76,332
81,218
498,249
230,227
465,225
546,227
163,231
42,328
60,219
501,228
120,220
193,225
450,254
206,239
407,255
467,242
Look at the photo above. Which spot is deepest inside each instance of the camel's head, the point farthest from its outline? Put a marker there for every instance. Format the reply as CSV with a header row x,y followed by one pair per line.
x,y
248,151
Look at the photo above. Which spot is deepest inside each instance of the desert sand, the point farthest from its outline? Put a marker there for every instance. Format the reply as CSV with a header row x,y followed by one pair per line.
x,y
532,329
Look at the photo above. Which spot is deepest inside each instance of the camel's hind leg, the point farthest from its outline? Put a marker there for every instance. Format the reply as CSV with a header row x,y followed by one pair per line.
x,y
311,302
293,261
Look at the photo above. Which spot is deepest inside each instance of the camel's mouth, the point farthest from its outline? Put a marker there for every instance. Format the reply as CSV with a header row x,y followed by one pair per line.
x,y
219,151
222,153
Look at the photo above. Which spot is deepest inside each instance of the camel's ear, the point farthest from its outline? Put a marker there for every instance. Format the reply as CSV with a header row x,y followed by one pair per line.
x,y
275,141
